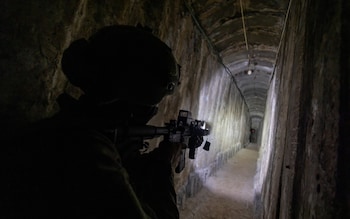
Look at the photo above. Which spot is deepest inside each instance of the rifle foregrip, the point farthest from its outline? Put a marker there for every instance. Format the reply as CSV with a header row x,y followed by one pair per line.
x,y
147,131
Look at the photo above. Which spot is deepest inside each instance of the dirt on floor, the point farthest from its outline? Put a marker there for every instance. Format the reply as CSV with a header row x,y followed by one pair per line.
x,y
229,193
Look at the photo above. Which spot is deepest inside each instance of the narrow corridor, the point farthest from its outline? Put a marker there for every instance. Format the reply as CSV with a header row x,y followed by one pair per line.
x,y
229,193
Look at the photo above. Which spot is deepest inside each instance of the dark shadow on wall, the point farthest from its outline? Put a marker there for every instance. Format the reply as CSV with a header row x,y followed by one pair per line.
x,y
343,187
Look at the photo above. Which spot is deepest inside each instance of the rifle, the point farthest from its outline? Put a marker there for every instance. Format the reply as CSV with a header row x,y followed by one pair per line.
x,y
184,130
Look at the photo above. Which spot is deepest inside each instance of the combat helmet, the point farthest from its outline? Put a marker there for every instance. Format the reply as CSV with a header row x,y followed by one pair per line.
x,y
122,62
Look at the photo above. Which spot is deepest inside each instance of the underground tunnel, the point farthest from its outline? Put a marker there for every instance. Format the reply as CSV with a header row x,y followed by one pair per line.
x,y
273,73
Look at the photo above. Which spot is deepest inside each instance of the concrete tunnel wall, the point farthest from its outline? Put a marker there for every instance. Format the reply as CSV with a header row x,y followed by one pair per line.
x,y
298,175
35,33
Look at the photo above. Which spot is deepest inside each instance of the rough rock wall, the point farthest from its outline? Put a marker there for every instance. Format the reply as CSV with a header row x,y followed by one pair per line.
x,y
298,180
343,187
35,33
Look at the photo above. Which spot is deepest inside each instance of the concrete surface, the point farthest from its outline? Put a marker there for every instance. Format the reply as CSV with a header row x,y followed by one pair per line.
x,y
229,193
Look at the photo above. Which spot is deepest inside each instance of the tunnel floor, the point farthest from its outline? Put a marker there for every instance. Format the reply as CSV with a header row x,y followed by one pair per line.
x,y
229,193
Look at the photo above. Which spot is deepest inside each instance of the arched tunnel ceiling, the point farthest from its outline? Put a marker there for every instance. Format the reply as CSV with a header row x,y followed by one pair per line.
x,y
244,42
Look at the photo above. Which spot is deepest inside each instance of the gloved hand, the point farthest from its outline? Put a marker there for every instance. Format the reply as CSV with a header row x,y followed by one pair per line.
x,y
169,152
195,141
